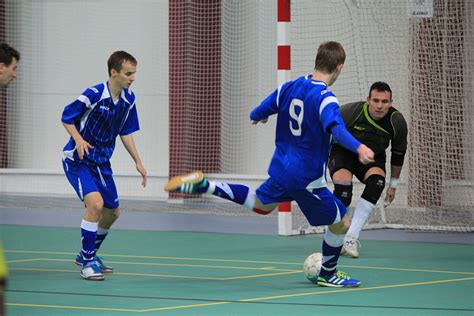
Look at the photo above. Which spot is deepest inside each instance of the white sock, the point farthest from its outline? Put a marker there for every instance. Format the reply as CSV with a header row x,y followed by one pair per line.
x,y
89,226
361,213
250,200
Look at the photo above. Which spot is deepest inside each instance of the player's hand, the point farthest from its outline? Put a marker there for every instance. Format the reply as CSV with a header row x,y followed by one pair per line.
x,y
389,196
82,148
261,121
366,154
141,169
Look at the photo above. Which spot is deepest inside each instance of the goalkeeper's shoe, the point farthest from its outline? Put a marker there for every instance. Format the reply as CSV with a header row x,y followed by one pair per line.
x,y
350,247
193,182
103,267
91,271
338,279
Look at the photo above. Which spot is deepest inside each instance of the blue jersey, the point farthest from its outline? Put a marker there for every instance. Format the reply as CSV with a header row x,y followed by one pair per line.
x,y
306,114
99,120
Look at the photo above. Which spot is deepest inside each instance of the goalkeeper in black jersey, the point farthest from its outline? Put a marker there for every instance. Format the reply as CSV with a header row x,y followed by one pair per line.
x,y
378,125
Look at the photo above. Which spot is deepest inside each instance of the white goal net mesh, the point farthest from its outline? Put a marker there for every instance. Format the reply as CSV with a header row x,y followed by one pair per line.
x,y
428,63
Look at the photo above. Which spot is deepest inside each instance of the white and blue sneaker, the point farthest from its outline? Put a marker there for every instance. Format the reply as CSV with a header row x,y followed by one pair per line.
x,y
91,271
338,279
103,267
191,183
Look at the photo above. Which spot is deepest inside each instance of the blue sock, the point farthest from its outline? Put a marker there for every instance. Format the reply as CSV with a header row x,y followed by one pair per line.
x,y
332,245
101,234
233,192
89,236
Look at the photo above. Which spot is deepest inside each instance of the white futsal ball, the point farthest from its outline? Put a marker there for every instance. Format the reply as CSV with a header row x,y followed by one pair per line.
x,y
312,266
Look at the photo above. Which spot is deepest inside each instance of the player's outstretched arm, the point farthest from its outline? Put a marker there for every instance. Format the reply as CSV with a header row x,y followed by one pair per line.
x,y
263,121
265,109
129,144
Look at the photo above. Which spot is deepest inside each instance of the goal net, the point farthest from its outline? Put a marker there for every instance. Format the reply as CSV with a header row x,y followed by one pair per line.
x,y
425,53
202,67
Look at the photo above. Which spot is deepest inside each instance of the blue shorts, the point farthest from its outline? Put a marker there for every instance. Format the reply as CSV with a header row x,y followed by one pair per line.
x,y
85,180
319,206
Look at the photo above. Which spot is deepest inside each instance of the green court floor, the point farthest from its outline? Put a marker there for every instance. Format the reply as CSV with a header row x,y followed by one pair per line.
x,y
179,273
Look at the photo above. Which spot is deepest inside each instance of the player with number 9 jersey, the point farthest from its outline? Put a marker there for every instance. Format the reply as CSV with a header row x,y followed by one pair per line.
x,y
307,119
307,112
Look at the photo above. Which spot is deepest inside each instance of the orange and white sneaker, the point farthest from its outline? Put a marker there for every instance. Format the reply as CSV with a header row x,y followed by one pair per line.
x,y
191,183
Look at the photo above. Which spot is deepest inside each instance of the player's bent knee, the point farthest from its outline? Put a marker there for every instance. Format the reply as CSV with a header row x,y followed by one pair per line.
x,y
339,228
374,186
95,206
343,192
263,209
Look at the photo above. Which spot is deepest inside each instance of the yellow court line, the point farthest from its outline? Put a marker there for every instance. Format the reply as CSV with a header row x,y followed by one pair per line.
x,y
183,306
240,261
156,257
122,273
76,307
178,265
246,300
312,293
406,269
167,275
357,289
260,275
25,260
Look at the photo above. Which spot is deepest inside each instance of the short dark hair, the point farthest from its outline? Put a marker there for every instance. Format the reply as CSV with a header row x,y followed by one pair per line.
x,y
380,86
7,53
117,58
329,56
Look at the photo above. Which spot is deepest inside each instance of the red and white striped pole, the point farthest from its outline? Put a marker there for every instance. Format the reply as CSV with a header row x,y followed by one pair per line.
x,y
284,68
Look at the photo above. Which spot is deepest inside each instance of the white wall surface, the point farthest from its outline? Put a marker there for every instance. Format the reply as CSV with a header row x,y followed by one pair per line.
x,y
65,45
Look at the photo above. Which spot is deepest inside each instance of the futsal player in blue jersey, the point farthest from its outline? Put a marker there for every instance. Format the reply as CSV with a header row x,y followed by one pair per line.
x,y
94,120
307,119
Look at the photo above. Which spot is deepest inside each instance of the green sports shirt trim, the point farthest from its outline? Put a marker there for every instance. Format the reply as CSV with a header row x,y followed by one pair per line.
x,y
370,120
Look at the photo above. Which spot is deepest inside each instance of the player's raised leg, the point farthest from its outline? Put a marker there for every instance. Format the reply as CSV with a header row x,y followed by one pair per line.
x,y
196,183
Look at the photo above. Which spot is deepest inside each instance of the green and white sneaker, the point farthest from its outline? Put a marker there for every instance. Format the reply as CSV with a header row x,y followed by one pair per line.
x,y
191,183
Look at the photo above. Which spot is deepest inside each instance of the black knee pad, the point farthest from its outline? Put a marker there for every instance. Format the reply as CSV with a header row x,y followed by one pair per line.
x,y
344,193
374,186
